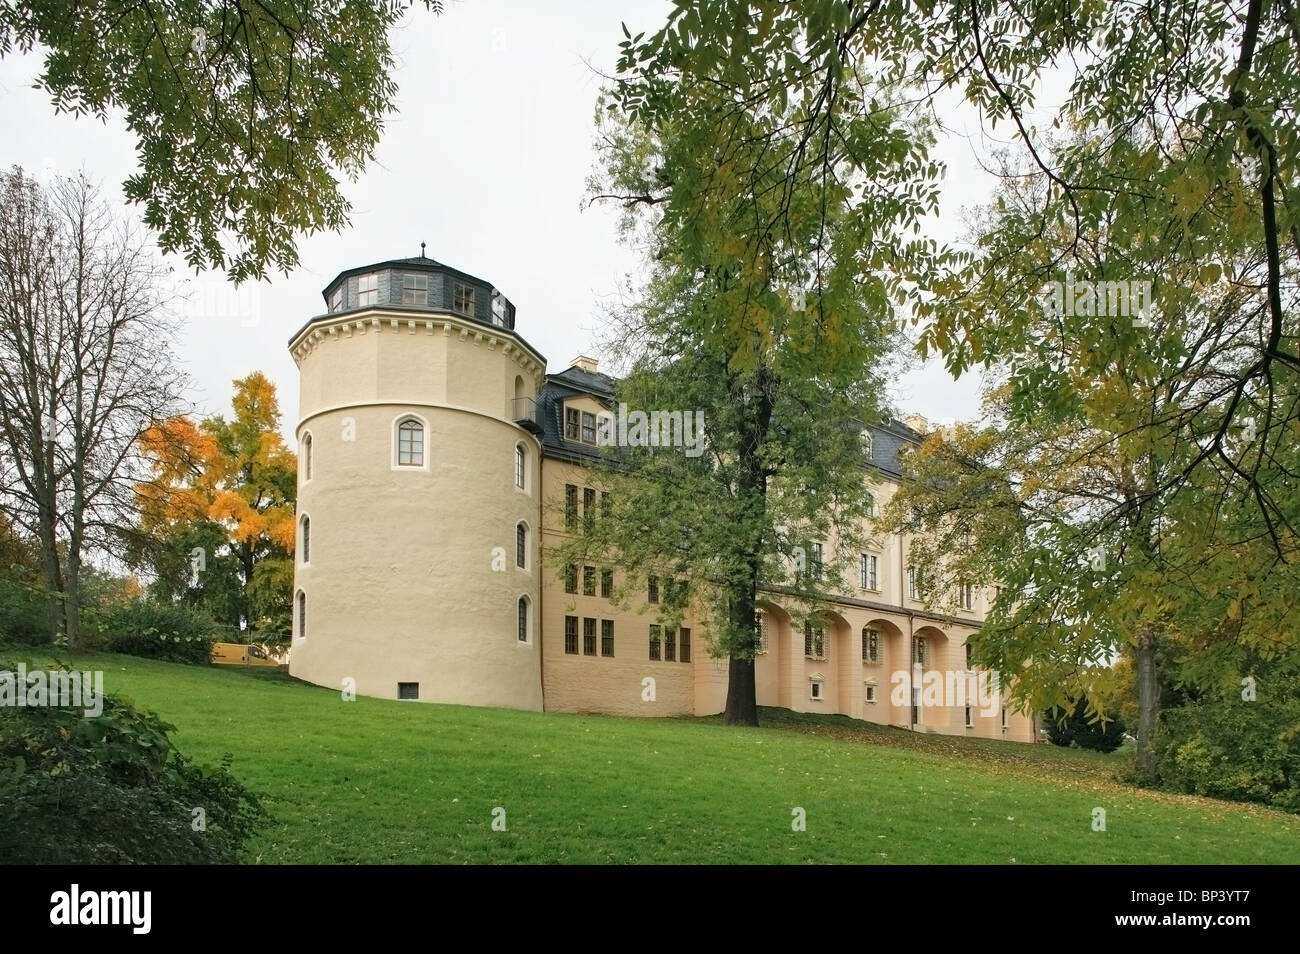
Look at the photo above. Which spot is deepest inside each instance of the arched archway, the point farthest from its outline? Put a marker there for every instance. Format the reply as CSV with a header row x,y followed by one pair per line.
x,y
772,665
932,708
883,674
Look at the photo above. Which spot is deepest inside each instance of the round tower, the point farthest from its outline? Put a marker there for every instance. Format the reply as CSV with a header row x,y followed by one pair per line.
x,y
418,572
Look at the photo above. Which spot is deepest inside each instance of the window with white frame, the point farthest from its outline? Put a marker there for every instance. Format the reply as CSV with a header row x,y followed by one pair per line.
x,y
870,645
415,289
869,577
410,443
367,290
817,687
867,444
521,466
870,694
967,596
462,300
336,299
815,560
571,423
916,583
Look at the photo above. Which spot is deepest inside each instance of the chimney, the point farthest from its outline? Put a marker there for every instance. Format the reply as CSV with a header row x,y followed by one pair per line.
x,y
585,362
917,423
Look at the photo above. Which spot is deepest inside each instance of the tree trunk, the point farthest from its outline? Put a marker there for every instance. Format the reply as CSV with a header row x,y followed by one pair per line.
x,y
1148,690
742,704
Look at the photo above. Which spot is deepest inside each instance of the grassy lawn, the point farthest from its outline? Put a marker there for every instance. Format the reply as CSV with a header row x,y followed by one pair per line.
x,y
381,782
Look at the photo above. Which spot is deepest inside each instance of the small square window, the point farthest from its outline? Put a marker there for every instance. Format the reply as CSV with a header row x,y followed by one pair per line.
x,y
415,289
463,299
408,690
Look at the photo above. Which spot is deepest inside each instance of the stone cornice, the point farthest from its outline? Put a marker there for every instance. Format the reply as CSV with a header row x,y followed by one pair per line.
x,y
358,323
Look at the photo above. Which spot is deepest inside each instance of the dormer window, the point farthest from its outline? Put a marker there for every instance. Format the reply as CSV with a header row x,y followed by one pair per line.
x,y
463,299
499,308
415,289
367,290
336,299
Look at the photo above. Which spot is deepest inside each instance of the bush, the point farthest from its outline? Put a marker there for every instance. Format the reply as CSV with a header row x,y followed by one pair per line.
x,y
23,616
1243,751
171,631
1076,730
113,790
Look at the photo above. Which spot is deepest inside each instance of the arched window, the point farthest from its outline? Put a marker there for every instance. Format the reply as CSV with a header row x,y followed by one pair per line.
x,y
521,545
306,457
302,614
521,466
523,619
410,443
306,538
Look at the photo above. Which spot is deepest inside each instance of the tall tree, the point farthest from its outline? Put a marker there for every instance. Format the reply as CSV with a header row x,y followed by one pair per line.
x,y
246,112
772,338
227,488
85,367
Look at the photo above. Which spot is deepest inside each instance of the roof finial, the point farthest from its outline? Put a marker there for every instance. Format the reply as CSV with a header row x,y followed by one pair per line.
x,y
421,250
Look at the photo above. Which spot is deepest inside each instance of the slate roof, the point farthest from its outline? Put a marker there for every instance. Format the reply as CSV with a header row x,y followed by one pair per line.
x,y
886,438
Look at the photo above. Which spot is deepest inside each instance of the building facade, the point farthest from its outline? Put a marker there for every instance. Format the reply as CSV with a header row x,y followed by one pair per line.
x,y
439,464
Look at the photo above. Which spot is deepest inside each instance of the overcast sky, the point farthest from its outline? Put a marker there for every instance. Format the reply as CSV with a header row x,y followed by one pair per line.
x,y
485,161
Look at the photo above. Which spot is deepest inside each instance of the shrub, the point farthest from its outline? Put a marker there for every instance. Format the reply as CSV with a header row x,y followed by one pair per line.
x,y
113,790
171,631
1076,729
1243,751
22,615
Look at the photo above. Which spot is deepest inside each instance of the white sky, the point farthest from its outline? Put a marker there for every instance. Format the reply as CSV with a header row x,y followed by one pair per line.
x,y
485,160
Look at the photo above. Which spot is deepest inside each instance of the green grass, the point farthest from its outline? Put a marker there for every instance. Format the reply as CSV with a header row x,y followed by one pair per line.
x,y
381,782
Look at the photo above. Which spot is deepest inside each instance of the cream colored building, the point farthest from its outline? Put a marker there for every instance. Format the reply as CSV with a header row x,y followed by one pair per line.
x,y
438,465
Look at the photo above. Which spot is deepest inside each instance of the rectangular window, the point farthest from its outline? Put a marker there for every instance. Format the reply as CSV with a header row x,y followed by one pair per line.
x,y
916,585
871,505
871,692
652,593
408,690
588,428
814,641
969,720
588,636
463,299
670,644
588,506
815,560
760,624
336,299
654,640
870,580
571,423
588,581
1004,718
870,646
415,289
968,651
685,644
570,505
816,689
521,460
607,637
606,504
920,650
570,578
967,596
367,290
607,584
571,635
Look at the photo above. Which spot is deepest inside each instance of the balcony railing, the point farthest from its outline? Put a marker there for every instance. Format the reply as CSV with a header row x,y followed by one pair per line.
x,y
523,411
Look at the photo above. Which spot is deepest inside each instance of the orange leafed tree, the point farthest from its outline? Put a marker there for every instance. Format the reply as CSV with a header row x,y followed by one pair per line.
x,y
227,488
